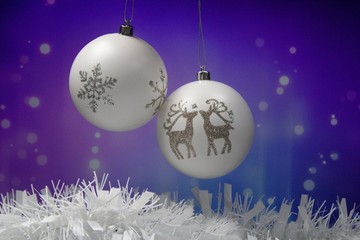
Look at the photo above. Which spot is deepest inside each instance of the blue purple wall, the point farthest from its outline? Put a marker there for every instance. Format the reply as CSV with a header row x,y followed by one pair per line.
x,y
307,135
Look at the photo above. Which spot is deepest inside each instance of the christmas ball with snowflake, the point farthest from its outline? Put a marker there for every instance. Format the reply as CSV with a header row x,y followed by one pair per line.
x,y
205,129
118,82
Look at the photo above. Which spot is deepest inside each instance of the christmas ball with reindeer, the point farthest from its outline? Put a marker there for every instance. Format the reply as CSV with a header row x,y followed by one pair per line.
x,y
118,82
205,129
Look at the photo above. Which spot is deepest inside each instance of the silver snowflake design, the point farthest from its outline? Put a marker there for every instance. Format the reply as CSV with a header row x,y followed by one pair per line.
x,y
95,88
160,89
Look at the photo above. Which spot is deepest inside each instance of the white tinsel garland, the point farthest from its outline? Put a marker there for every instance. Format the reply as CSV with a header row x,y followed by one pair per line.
x,y
86,210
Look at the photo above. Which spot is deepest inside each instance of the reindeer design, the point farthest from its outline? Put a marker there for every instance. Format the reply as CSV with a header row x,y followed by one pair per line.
x,y
217,132
184,136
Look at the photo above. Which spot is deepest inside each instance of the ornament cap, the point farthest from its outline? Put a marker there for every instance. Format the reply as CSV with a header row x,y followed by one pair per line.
x,y
203,75
126,29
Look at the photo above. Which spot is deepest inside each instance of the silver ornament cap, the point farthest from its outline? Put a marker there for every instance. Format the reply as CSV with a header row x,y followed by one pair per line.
x,y
203,74
126,29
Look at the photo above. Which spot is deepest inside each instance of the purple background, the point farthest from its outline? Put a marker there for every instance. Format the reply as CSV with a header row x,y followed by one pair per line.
x,y
250,46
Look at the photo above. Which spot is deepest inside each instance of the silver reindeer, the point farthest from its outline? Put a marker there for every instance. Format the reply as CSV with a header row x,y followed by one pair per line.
x,y
184,136
217,132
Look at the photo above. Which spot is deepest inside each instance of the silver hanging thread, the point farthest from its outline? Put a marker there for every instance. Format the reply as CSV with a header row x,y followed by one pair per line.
x,y
126,19
126,29
202,74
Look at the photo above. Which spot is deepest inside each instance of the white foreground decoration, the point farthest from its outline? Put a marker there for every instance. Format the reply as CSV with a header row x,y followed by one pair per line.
x,y
86,210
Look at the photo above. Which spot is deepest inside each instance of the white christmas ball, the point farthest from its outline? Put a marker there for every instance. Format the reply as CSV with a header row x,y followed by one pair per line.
x,y
205,129
118,82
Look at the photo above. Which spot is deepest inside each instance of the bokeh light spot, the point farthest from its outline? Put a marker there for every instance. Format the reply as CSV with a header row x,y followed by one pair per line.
x,y
263,106
280,90
97,135
50,2
24,59
2,107
312,170
21,154
284,80
351,95
334,156
259,42
94,164
299,130
248,192
42,160
32,137
5,123
334,121
270,200
45,48
292,50
324,162
33,102
95,149
309,185
16,77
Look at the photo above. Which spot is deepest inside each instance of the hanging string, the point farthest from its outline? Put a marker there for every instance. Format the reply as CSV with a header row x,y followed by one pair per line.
x,y
201,43
126,19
